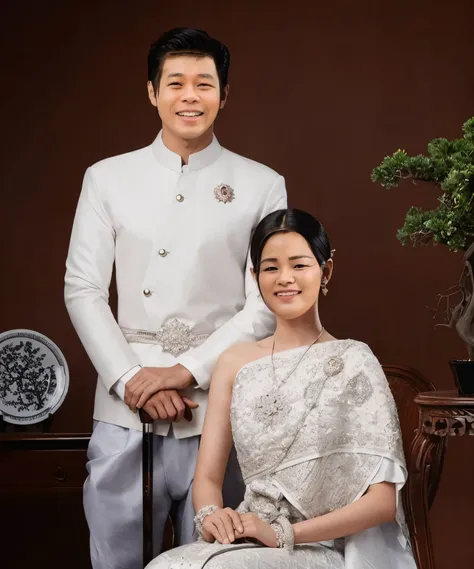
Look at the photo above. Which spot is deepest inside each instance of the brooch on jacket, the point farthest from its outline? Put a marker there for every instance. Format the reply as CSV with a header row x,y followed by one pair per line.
x,y
224,193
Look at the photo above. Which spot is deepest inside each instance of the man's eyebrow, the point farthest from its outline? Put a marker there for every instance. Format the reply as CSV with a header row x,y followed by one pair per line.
x,y
202,75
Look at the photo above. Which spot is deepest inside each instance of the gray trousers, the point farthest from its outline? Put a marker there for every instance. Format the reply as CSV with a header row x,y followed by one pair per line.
x,y
113,493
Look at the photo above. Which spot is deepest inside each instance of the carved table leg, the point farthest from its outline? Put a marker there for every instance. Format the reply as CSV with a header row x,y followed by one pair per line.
x,y
425,465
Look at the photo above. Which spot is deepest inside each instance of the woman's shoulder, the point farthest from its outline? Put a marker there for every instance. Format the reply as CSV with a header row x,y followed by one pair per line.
x,y
355,349
242,353
358,356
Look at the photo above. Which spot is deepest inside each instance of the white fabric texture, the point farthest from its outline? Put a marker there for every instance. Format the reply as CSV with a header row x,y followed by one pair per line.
x,y
311,440
113,493
126,215
119,386
384,546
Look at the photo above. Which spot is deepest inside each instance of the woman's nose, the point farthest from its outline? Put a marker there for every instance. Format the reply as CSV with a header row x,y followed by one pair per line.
x,y
286,277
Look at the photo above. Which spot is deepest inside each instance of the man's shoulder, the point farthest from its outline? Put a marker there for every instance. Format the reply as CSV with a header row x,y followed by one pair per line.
x,y
121,162
248,166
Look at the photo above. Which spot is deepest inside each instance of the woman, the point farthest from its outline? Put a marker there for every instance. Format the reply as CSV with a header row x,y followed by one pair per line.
x,y
315,428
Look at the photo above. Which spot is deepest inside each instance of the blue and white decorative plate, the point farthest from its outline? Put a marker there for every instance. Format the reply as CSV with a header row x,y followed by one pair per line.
x,y
34,377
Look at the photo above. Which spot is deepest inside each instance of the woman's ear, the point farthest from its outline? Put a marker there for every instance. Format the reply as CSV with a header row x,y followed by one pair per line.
x,y
328,269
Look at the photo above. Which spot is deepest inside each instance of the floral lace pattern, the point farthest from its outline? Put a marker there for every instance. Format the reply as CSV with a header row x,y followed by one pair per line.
x,y
338,400
306,445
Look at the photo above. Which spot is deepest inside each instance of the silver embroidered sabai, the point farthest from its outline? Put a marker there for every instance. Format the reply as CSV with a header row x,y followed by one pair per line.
x,y
306,447
174,337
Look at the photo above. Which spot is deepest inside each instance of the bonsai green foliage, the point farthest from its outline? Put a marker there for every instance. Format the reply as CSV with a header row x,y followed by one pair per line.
x,y
449,165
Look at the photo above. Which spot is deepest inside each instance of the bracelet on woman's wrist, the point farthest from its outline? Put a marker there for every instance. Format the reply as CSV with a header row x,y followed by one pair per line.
x,y
201,515
285,536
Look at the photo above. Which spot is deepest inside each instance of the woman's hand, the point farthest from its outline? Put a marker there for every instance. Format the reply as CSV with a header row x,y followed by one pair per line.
x,y
224,525
256,528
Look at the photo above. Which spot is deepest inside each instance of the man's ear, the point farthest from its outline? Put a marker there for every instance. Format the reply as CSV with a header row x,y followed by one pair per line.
x,y
151,94
224,96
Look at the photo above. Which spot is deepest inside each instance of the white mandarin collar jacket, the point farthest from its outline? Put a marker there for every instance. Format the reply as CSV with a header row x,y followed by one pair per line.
x,y
196,161
181,254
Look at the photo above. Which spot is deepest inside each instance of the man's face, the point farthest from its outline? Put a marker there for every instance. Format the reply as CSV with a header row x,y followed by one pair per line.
x,y
188,96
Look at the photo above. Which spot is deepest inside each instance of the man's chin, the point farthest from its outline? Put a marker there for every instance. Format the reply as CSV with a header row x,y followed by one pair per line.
x,y
192,132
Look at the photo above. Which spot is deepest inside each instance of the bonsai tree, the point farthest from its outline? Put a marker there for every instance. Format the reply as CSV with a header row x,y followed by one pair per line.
x,y
449,165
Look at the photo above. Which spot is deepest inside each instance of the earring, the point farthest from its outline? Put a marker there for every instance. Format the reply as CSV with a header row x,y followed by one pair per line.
x,y
324,288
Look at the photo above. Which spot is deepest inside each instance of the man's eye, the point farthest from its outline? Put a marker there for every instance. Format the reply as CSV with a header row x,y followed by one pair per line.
x,y
204,85
174,84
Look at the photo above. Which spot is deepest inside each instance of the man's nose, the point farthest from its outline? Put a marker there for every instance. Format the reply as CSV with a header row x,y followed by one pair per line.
x,y
189,94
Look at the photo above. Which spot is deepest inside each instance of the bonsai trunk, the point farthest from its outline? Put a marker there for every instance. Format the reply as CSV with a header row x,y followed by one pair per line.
x,y
464,312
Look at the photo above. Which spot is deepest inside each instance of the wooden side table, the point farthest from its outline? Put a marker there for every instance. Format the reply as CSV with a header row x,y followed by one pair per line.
x,y
41,480
442,414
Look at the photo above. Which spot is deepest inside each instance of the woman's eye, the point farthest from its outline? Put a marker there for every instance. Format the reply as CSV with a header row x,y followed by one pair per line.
x,y
300,266
270,269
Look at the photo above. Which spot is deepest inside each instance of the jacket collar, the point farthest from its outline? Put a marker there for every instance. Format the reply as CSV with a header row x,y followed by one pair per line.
x,y
173,161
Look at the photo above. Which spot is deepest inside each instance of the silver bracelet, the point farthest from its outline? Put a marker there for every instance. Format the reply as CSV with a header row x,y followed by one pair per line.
x,y
201,515
284,533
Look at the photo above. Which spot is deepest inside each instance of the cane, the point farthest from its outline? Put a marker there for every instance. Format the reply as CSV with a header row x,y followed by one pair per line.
x,y
147,486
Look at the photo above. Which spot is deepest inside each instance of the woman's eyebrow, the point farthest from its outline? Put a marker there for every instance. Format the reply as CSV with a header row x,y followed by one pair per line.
x,y
293,258
299,257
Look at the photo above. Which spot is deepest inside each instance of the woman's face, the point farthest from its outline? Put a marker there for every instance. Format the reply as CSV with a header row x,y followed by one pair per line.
x,y
290,276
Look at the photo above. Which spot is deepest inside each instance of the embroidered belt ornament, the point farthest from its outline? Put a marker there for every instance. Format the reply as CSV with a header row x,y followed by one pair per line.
x,y
174,337
224,193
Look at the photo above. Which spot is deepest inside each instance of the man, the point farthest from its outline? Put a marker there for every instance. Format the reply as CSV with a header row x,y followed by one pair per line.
x,y
176,218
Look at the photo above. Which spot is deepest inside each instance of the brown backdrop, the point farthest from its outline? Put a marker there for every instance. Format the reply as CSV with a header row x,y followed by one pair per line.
x,y
320,91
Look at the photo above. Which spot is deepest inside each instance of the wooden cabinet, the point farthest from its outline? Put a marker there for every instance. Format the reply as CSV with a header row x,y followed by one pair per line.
x,y
42,520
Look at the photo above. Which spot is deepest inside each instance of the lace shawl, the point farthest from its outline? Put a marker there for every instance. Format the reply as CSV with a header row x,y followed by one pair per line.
x,y
315,435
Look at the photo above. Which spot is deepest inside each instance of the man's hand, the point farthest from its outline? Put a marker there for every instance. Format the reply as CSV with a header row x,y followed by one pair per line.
x,y
150,380
168,405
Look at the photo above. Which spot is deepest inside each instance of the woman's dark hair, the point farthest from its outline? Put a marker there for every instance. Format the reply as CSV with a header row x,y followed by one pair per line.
x,y
286,221
187,41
